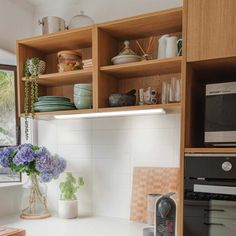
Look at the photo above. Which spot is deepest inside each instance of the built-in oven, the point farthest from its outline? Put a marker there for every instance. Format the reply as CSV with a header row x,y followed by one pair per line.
x,y
210,195
220,114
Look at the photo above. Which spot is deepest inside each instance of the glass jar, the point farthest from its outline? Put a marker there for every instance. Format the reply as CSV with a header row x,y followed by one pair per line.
x,y
80,20
34,200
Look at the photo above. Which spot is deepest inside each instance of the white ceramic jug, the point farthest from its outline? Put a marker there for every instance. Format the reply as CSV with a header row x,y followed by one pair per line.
x,y
171,46
162,46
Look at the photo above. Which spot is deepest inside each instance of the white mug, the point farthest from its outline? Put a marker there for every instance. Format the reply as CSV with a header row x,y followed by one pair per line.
x,y
162,46
171,46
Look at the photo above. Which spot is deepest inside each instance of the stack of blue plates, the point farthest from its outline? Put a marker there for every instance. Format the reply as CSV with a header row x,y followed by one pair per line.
x,y
53,103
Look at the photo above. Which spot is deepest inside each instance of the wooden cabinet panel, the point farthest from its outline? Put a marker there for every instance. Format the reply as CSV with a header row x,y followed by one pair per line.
x,y
211,29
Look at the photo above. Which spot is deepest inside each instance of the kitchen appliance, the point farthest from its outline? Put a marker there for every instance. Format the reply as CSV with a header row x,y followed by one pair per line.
x,y
220,114
151,202
165,216
210,194
52,24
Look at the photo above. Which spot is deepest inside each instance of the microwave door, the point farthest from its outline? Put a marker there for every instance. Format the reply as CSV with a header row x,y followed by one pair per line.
x,y
220,118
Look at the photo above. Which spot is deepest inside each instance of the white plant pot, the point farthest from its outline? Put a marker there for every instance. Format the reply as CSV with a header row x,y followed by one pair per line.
x,y
68,209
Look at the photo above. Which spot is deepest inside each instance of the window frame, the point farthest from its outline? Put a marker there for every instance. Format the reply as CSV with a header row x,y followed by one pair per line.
x,y
18,134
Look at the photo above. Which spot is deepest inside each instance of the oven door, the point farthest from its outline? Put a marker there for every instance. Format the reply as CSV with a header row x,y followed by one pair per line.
x,y
209,218
220,114
196,218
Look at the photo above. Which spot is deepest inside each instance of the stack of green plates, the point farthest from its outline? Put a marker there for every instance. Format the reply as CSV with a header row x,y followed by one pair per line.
x,y
53,103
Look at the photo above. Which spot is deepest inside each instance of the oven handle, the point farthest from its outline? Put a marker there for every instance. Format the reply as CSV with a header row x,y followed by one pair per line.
x,y
214,224
219,210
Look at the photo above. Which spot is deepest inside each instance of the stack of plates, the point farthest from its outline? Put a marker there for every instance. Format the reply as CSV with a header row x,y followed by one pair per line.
x,y
83,96
53,103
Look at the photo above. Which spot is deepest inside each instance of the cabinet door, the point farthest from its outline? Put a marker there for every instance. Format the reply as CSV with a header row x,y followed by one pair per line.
x,y
211,29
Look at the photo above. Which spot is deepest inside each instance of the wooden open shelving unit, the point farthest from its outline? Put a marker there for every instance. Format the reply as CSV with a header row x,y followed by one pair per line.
x,y
100,43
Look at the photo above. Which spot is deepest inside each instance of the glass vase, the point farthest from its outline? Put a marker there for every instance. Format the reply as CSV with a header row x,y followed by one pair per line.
x,y
34,202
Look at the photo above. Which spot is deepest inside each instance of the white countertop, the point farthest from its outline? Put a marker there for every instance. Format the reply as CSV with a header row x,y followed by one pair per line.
x,y
93,226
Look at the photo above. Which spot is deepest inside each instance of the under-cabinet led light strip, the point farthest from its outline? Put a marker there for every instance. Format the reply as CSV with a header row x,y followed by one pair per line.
x,y
112,114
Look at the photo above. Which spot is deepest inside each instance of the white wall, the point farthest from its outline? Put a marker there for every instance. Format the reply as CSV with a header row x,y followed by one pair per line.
x,y
100,10
16,19
105,151
16,22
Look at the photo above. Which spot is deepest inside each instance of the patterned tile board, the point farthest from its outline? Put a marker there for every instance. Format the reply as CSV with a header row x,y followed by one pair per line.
x,y
148,180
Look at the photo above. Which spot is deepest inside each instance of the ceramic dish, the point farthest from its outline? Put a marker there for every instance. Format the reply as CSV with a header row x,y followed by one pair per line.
x,y
53,103
83,86
84,102
53,98
122,59
53,108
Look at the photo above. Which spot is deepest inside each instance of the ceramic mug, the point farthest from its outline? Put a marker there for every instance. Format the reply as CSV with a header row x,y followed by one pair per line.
x,y
171,46
162,46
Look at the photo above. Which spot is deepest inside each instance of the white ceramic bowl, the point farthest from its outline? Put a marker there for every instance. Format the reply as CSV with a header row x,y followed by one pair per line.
x,y
122,59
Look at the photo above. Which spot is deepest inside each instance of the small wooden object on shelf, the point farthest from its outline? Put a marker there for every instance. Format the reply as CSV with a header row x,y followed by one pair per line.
x,y
6,231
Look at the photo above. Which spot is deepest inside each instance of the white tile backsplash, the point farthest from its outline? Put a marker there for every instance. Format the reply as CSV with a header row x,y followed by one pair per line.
x,y
105,150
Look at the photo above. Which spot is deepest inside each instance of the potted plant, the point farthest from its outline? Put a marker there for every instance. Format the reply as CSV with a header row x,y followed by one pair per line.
x,y
32,69
68,204
41,167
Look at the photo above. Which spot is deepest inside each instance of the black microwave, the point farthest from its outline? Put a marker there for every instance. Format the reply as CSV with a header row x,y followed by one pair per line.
x,y
220,114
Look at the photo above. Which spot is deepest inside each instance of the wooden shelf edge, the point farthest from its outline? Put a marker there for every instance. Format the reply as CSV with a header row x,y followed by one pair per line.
x,y
54,35
50,115
141,63
64,77
210,150
167,107
134,18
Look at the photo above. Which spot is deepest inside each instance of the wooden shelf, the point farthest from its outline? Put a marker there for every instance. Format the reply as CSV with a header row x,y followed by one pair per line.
x,y
68,39
144,68
171,107
167,21
65,78
168,107
51,114
210,150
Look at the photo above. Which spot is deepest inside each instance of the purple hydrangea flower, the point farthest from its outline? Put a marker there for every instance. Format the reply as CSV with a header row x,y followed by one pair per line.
x,y
45,177
5,154
24,155
38,160
50,167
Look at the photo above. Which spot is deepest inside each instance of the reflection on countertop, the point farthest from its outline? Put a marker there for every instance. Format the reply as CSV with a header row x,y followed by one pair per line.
x,y
91,226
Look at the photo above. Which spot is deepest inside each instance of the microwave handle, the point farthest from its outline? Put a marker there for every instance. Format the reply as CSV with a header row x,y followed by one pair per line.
x,y
219,210
213,224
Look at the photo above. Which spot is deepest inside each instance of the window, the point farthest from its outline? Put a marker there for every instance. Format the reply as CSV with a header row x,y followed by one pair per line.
x,y
9,122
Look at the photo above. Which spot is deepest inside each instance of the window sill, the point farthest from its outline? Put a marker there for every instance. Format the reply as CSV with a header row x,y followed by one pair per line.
x,y
4,185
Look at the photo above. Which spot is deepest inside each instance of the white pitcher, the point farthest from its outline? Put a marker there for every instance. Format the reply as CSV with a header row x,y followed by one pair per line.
x,y
162,46
171,46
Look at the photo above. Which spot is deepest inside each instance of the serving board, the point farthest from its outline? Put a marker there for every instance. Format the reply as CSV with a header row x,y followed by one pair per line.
x,y
5,231
147,180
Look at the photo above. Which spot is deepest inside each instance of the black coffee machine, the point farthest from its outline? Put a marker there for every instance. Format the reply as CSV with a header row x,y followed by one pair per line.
x,y
165,216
